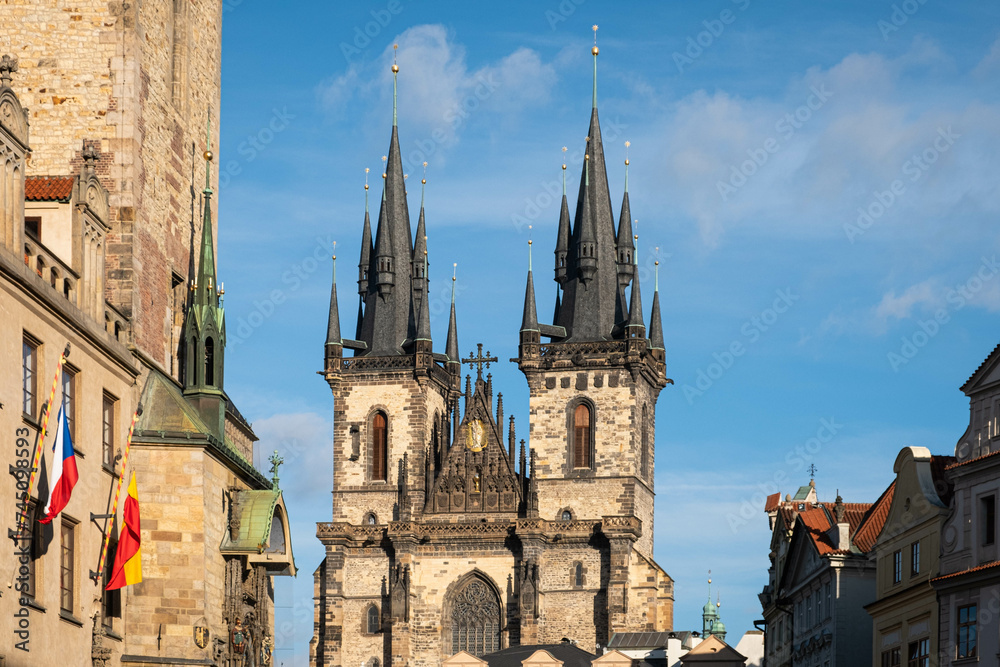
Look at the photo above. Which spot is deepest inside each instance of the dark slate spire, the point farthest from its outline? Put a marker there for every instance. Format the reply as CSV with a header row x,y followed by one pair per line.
x,y
451,347
655,324
529,320
592,294
366,247
388,312
635,324
562,236
418,261
625,248
333,321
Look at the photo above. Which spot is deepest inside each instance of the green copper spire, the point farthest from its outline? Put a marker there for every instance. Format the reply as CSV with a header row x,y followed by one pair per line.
x,y
206,293
208,155
595,51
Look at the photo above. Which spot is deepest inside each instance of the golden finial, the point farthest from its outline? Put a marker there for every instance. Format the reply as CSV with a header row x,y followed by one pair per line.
x,y
564,158
395,67
595,50
627,144
366,177
208,155
424,179
454,271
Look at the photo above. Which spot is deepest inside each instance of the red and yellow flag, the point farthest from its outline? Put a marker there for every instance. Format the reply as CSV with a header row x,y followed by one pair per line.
x,y
128,558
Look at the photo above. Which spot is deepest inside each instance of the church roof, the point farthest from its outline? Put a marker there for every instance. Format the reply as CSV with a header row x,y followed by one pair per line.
x,y
712,649
637,640
253,511
569,654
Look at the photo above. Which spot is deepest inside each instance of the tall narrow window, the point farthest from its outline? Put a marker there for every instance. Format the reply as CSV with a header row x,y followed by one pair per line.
x,y
209,361
966,638
380,452
915,558
373,623
582,428
29,373
69,399
890,658
988,520
475,620
919,653
578,575
66,566
108,432
897,566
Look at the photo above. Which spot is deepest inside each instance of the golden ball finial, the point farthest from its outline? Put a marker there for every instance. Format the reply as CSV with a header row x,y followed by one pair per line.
x,y
208,155
366,186
423,181
656,263
395,68
626,162
595,50
564,166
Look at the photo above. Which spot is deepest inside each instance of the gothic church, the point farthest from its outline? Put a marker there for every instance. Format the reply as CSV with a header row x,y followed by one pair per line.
x,y
449,535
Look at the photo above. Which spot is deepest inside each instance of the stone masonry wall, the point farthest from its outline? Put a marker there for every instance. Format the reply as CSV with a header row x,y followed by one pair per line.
x,y
110,77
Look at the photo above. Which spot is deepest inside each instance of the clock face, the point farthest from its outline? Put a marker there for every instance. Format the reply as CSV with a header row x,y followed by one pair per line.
x,y
476,435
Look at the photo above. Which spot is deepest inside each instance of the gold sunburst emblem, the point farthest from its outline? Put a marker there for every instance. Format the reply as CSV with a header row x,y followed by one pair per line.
x,y
475,435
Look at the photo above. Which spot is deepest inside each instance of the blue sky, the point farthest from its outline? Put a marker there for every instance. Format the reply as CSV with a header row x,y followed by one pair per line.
x,y
834,162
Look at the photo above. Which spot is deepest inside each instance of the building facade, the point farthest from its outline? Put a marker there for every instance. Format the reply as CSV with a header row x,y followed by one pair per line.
x,y
968,585
905,613
448,535
815,608
108,246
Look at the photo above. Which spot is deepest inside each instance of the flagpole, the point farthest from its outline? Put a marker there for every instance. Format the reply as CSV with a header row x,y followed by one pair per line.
x,y
22,515
114,507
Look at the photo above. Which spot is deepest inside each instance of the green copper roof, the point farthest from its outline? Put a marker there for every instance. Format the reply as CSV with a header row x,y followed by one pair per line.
x,y
251,522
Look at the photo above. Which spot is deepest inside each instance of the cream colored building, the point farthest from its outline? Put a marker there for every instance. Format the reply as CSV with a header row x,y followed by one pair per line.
x,y
905,612
107,244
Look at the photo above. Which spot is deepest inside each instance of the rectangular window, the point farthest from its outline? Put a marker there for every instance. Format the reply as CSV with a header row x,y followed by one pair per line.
x,y
108,431
988,520
919,653
809,611
29,375
819,606
915,558
890,658
966,639
69,399
33,227
897,566
67,565
829,599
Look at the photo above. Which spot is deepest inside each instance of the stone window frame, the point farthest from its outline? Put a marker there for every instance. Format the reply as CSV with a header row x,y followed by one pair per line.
x,y
577,574
369,436
366,620
571,470
561,514
370,518
452,591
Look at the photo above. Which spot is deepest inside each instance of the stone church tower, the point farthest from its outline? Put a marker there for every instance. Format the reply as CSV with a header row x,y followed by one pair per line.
x,y
446,535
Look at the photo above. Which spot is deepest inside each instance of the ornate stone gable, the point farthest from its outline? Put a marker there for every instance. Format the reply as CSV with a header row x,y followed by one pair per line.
x,y
475,473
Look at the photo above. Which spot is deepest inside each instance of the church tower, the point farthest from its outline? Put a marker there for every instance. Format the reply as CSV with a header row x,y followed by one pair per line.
x,y
204,346
594,385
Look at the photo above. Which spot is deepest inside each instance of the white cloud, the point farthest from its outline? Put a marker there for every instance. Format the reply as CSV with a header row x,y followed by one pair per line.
x,y
990,64
920,297
438,92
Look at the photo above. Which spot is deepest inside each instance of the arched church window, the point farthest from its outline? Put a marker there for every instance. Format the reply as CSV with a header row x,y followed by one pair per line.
x,y
583,420
209,361
475,619
371,519
567,515
578,574
276,540
372,622
380,450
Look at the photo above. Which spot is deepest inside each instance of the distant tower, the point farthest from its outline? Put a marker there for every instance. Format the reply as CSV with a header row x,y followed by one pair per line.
x,y
709,613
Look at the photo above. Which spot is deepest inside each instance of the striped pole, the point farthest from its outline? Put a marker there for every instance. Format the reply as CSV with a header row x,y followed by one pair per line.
x,y
114,507
41,443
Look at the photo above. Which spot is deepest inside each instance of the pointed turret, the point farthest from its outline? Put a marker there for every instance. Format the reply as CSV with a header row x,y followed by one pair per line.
x,y
366,247
562,236
419,258
389,318
205,328
635,327
530,335
451,346
655,325
334,343
625,246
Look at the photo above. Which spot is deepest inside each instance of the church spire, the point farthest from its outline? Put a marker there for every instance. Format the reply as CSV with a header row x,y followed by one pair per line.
x,y
366,246
451,346
333,321
529,319
562,236
206,294
636,328
595,51
655,325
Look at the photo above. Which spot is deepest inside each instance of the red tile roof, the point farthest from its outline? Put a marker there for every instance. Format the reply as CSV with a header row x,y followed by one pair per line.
x,y
772,503
818,521
978,458
48,188
984,566
867,534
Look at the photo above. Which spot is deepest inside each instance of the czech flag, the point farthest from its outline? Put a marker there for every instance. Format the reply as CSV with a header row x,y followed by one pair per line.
x,y
128,558
64,474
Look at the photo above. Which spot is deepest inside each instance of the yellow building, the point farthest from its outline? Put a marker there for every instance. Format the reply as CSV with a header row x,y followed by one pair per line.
x,y
905,612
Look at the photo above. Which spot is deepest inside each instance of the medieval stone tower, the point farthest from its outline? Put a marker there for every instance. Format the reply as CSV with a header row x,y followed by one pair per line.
x,y
447,536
